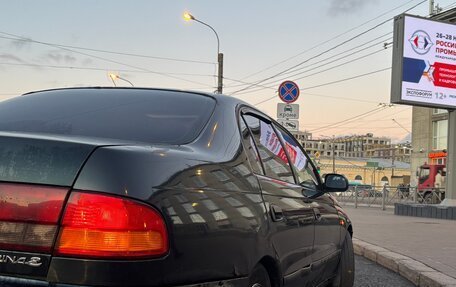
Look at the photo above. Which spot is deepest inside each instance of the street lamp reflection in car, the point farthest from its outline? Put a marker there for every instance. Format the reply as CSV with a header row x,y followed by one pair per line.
x,y
199,172
209,143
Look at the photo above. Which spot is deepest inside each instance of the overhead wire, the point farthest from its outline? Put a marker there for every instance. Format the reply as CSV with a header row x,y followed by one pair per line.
x,y
329,40
97,69
341,98
104,51
322,71
337,59
372,128
323,62
365,121
333,82
349,120
326,51
325,96
109,60
401,126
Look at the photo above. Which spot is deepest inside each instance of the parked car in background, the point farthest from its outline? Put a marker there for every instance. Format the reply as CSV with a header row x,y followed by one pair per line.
x,y
149,187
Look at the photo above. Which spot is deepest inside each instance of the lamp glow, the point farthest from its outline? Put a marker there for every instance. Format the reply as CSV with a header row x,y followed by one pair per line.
x,y
188,16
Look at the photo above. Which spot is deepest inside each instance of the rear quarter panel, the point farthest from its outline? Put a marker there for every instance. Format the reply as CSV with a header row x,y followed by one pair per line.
x,y
211,202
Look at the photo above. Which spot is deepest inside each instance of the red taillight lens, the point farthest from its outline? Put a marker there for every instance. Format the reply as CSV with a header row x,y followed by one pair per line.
x,y
29,215
104,226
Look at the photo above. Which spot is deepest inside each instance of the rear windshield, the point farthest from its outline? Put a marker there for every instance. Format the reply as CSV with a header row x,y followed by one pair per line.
x,y
142,115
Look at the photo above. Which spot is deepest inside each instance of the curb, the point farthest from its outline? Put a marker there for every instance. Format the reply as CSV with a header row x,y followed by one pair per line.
x,y
414,271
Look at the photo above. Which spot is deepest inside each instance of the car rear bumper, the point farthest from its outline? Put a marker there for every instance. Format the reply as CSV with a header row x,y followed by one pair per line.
x,y
223,283
6,281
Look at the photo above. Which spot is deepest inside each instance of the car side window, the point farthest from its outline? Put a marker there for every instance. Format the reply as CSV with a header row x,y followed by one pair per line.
x,y
272,154
301,166
249,145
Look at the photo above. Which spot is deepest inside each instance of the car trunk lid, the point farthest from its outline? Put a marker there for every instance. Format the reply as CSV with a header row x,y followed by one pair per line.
x,y
36,175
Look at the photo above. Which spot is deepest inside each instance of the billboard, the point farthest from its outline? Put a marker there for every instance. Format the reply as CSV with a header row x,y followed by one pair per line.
x,y
424,62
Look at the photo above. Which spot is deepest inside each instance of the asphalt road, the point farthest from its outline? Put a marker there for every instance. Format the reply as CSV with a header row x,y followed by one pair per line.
x,y
370,274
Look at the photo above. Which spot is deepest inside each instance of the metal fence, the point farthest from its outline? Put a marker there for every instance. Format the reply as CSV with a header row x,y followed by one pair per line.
x,y
387,196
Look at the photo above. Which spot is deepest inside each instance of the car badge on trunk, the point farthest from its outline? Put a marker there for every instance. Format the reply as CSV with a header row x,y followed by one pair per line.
x,y
30,261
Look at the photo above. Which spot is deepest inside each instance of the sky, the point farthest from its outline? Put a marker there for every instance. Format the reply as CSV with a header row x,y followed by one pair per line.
x,y
59,43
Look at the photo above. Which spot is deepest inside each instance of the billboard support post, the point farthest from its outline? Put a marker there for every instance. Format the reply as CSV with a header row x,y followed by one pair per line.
x,y
450,188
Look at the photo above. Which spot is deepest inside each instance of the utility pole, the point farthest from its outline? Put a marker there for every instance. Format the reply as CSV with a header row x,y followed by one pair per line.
x,y
392,162
431,7
220,73
333,153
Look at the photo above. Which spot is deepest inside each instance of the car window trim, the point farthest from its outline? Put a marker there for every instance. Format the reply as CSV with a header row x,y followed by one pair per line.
x,y
318,183
284,146
253,140
249,111
241,118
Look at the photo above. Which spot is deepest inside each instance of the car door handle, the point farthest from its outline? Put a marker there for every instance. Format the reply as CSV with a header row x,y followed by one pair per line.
x,y
317,214
276,213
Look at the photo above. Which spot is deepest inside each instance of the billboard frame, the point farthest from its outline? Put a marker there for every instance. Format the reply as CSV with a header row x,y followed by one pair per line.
x,y
397,65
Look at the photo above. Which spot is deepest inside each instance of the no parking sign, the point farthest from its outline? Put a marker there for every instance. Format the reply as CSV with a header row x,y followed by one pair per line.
x,y
288,92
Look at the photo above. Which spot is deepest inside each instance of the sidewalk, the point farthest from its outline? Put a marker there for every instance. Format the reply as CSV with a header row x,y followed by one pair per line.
x,y
430,241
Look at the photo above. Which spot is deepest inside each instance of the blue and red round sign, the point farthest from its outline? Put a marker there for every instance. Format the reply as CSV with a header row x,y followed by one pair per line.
x,y
288,92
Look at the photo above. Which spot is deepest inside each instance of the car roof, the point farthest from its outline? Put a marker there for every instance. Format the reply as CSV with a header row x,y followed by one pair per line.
x,y
228,100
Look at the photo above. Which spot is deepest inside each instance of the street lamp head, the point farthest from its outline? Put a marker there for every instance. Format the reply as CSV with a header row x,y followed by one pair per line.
x,y
188,17
113,76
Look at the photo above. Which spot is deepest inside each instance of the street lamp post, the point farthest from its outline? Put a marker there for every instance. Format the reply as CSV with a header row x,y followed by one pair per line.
x,y
190,17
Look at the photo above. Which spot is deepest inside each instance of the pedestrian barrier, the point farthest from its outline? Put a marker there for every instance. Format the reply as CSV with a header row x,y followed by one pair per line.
x,y
386,196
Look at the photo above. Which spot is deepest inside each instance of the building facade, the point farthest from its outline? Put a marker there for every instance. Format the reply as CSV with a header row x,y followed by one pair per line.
x,y
429,136
352,146
358,146
396,152
324,147
376,172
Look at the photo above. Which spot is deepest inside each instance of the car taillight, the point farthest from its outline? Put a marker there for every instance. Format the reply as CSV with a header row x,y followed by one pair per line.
x,y
96,225
29,215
